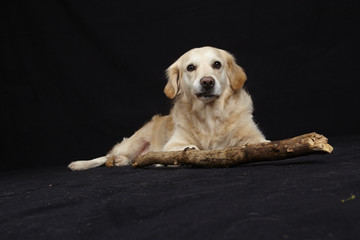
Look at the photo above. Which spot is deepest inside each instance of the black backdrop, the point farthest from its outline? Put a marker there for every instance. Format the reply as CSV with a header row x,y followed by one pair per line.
x,y
77,76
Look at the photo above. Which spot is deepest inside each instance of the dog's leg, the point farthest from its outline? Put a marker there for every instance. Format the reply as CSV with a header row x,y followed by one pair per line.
x,y
122,153
83,165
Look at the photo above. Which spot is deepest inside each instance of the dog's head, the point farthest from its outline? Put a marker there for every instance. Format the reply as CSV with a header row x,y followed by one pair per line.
x,y
204,74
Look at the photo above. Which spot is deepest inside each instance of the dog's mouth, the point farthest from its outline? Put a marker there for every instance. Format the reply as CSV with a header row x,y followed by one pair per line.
x,y
206,96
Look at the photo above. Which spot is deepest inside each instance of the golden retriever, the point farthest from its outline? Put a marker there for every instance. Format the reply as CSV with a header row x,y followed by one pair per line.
x,y
211,111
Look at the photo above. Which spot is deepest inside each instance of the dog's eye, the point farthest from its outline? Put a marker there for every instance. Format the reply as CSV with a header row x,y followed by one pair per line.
x,y
217,65
190,67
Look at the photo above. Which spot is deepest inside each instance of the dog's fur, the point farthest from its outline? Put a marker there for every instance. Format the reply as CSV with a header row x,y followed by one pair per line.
x,y
211,111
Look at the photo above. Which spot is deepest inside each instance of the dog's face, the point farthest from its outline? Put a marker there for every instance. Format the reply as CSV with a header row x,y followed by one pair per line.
x,y
204,74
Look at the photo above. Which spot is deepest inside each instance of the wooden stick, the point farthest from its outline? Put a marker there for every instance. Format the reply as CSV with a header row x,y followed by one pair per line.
x,y
268,151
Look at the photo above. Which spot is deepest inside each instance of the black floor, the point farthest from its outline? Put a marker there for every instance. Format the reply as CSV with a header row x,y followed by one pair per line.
x,y
312,197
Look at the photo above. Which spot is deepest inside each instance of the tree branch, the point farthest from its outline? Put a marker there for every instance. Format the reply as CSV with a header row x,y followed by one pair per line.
x,y
268,151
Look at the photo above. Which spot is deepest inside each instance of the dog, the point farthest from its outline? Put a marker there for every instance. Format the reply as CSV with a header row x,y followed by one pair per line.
x,y
211,110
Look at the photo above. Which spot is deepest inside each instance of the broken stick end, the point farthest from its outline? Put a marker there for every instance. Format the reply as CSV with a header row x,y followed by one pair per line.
x,y
321,144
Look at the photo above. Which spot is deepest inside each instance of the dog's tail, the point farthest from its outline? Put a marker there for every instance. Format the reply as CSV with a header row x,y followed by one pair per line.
x,y
83,165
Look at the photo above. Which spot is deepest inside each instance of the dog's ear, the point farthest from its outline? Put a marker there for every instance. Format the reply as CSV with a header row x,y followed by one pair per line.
x,y
236,74
172,87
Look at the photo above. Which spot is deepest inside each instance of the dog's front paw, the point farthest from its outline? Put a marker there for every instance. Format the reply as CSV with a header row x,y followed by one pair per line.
x,y
178,147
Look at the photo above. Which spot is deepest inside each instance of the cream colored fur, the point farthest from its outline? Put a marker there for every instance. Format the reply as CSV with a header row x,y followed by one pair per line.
x,y
221,119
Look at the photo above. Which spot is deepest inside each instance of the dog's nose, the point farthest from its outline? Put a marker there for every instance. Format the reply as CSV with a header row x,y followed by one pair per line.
x,y
207,83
